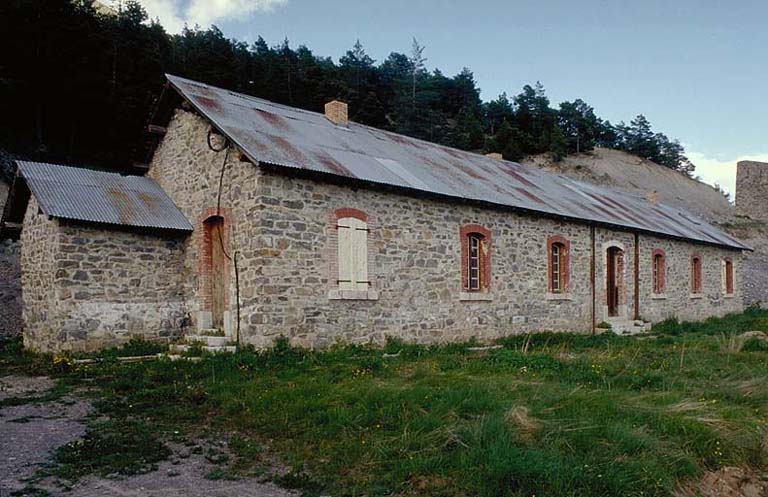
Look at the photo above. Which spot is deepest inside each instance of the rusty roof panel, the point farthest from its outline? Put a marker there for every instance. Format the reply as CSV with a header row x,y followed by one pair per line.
x,y
101,197
285,136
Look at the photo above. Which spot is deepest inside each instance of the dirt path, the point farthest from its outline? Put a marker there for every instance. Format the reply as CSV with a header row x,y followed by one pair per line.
x,y
32,430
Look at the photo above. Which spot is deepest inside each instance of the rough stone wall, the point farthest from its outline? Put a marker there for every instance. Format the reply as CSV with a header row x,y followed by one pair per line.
x,y
10,289
417,260
677,299
605,238
754,278
189,172
86,287
39,240
113,285
752,227
281,229
752,190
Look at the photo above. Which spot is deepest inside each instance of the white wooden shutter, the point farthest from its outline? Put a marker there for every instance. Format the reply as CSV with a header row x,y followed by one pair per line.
x,y
345,261
353,254
360,257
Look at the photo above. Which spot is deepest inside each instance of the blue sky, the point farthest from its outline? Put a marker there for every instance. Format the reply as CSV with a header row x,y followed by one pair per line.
x,y
697,69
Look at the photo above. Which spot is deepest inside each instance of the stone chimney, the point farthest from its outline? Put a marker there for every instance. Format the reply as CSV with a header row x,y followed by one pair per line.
x,y
336,112
652,197
495,155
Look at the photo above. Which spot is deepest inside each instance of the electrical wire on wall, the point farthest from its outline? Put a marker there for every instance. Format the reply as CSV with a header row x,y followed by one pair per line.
x,y
225,148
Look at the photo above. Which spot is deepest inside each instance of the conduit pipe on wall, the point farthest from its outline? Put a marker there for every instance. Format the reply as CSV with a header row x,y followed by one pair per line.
x,y
592,276
225,148
637,276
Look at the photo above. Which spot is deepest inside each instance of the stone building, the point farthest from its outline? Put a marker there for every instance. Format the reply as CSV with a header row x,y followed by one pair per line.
x,y
752,223
316,228
100,254
752,190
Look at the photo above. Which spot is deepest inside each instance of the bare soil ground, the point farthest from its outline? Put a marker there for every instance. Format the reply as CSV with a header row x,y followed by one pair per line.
x,y
31,431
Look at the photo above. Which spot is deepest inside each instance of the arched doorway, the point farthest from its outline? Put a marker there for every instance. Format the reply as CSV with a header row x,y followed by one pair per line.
x,y
614,278
216,259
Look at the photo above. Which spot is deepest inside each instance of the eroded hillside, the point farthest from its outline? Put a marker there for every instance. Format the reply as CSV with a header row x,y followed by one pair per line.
x,y
617,169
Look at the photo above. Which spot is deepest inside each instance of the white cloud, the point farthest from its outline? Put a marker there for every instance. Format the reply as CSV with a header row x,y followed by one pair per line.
x,y
722,172
173,14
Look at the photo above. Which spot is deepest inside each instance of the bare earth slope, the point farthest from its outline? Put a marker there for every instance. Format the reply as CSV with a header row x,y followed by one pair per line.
x,y
620,170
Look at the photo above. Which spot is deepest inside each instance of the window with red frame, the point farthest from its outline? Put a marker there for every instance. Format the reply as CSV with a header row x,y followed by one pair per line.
x,y
696,274
558,270
557,261
728,276
475,255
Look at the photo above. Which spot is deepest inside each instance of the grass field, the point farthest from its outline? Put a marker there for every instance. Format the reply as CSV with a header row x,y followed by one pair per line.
x,y
545,415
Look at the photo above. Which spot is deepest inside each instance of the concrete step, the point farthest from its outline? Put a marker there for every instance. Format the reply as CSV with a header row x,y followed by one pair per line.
x,y
183,348
210,341
179,357
629,326
211,332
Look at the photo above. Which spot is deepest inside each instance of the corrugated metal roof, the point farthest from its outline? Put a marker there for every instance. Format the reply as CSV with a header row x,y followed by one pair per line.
x,y
285,136
101,197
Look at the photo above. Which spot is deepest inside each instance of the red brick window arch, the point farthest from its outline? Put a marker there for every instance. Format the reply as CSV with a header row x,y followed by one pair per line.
x,y
728,276
695,274
659,271
558,264
475,258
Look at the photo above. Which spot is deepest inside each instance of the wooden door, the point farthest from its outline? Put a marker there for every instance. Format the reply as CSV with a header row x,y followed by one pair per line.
x,y
612,289
218,264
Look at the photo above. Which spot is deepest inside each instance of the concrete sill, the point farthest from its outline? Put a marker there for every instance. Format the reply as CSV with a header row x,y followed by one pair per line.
x,y
475,297
659,296
559,296
728,295
353,295
697,296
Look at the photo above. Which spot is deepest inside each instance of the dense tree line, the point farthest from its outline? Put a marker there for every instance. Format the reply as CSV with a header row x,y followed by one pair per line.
x,y
77,86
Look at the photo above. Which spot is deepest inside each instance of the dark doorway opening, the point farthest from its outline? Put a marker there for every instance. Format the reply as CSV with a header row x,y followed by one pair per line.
x,y
614,263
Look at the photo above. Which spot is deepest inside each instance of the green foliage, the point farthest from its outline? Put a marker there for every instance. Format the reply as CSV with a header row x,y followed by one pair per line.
x,y
109,69
639,139
755,344
124,447
134,348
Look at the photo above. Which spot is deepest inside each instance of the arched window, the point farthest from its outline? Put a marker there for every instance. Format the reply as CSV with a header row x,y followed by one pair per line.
x,y
696,274
659,269
728,276
558,264
475,258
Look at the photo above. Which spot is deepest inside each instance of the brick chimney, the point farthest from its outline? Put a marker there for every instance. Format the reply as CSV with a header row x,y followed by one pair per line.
x,y
495,155
336,112
652,197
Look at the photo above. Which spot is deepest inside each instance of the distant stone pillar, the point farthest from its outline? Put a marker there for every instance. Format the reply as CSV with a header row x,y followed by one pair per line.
x,y
752,189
